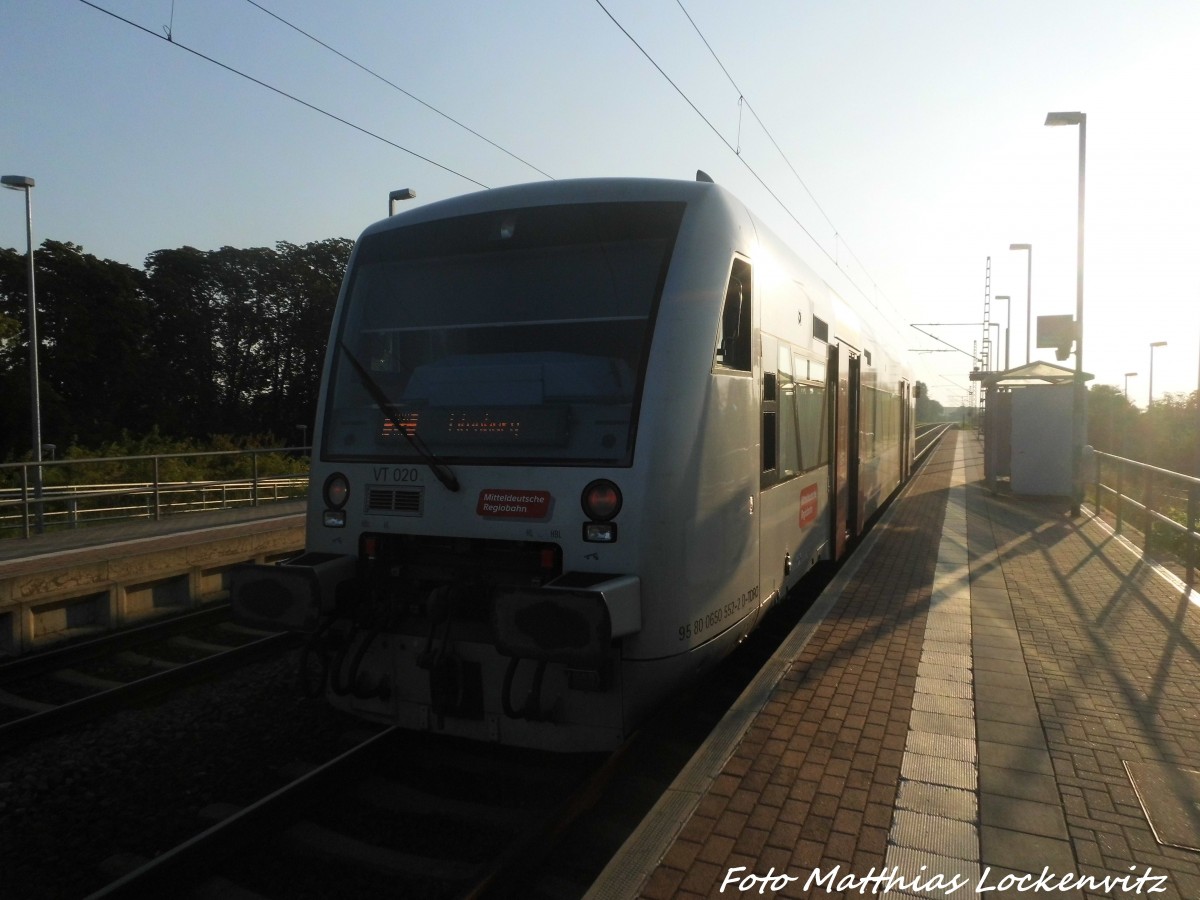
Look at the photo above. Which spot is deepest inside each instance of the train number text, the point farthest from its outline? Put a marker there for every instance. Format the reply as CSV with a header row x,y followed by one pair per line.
x,y
397,474
713,618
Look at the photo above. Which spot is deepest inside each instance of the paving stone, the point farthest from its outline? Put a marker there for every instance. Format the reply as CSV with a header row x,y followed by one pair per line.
x,y
937,770
1008,733
1022,814
1010,713
963,707
942,746
944,673
1047,647
1019,850
936,799
943,724
936,874
1004,781
945,687
951,838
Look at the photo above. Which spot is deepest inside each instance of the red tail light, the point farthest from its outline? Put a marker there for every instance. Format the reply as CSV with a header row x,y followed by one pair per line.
x,y
601,500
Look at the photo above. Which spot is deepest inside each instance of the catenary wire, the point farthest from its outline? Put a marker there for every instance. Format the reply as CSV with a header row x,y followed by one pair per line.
x,y
743,99
169,37
706,121
774,196
397,87
170,40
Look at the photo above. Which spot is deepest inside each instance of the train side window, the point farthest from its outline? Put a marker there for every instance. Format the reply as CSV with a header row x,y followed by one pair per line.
x,y
789,432
770,427
820,329
789,439
868,417
812,417
734,343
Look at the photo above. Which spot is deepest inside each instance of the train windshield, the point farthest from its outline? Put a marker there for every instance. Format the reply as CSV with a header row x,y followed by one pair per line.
x,y
512,337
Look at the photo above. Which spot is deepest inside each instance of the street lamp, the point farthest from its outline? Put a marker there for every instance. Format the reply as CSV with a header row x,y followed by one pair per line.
x,y
1028,294
397,195
1150,402
1007,325
25,183
1080,396
1128,375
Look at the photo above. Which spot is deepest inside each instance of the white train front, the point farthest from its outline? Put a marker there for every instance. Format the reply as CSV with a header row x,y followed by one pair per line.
x,y
573,438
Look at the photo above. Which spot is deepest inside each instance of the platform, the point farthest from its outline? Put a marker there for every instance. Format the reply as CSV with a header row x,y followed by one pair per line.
x,y
136,529
82,583
991,699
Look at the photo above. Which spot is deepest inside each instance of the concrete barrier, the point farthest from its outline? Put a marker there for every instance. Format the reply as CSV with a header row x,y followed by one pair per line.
x,y
85,591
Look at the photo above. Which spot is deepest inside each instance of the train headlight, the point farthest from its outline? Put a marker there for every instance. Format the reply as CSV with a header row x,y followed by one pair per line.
x,y
600,532
601,500
336,491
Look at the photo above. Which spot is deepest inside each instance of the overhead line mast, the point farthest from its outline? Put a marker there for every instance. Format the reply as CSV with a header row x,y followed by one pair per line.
x,y
987,334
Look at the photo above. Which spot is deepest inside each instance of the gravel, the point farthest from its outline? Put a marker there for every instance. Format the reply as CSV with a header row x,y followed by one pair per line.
x,y
135,782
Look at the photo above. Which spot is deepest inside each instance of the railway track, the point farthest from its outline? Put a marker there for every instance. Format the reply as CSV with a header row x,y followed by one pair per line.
x,y
400,814
46,692
928,436
414,815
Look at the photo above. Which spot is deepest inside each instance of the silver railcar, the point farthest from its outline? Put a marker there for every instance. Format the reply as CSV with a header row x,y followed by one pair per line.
x,y
573,439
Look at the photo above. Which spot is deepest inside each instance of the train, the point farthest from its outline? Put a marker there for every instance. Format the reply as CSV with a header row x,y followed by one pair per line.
x,y
573,439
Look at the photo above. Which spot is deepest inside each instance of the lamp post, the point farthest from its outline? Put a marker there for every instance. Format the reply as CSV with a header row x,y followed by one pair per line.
x,y
397,195
1125,416
1150,402
1080,396
1007,325
25,183
1028,294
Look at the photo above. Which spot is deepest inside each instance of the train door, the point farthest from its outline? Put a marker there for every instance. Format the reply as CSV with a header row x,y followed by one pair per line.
x,y
856,515
905,425
771,516
843,373
839,396
732,534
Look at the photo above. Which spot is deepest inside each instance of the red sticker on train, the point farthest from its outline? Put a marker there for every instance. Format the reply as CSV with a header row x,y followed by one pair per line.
x,y
498,503
808,505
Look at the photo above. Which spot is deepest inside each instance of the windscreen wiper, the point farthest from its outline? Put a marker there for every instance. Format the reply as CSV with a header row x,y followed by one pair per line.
x,y
440,470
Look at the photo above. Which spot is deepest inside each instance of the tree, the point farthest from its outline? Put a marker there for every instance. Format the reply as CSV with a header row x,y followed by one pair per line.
x,y
92,354
14,354
1112,421
1169,433
1166,435
928,409
313,276
228,341
240,334
93,327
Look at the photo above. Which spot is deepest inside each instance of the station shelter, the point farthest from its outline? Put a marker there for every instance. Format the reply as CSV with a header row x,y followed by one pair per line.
x,y
1027,428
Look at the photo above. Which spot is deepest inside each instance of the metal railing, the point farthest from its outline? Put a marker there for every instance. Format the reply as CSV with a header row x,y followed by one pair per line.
x,y
25,511
1164,505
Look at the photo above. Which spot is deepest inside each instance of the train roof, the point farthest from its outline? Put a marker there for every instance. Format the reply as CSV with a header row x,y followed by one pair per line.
x,y
539,193
853,323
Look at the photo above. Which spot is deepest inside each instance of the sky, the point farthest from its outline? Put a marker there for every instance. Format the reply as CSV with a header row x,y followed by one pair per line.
x,y
897,145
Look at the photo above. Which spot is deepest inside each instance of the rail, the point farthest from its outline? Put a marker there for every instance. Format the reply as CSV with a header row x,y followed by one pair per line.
x,y
26,509
1165,504
928,435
